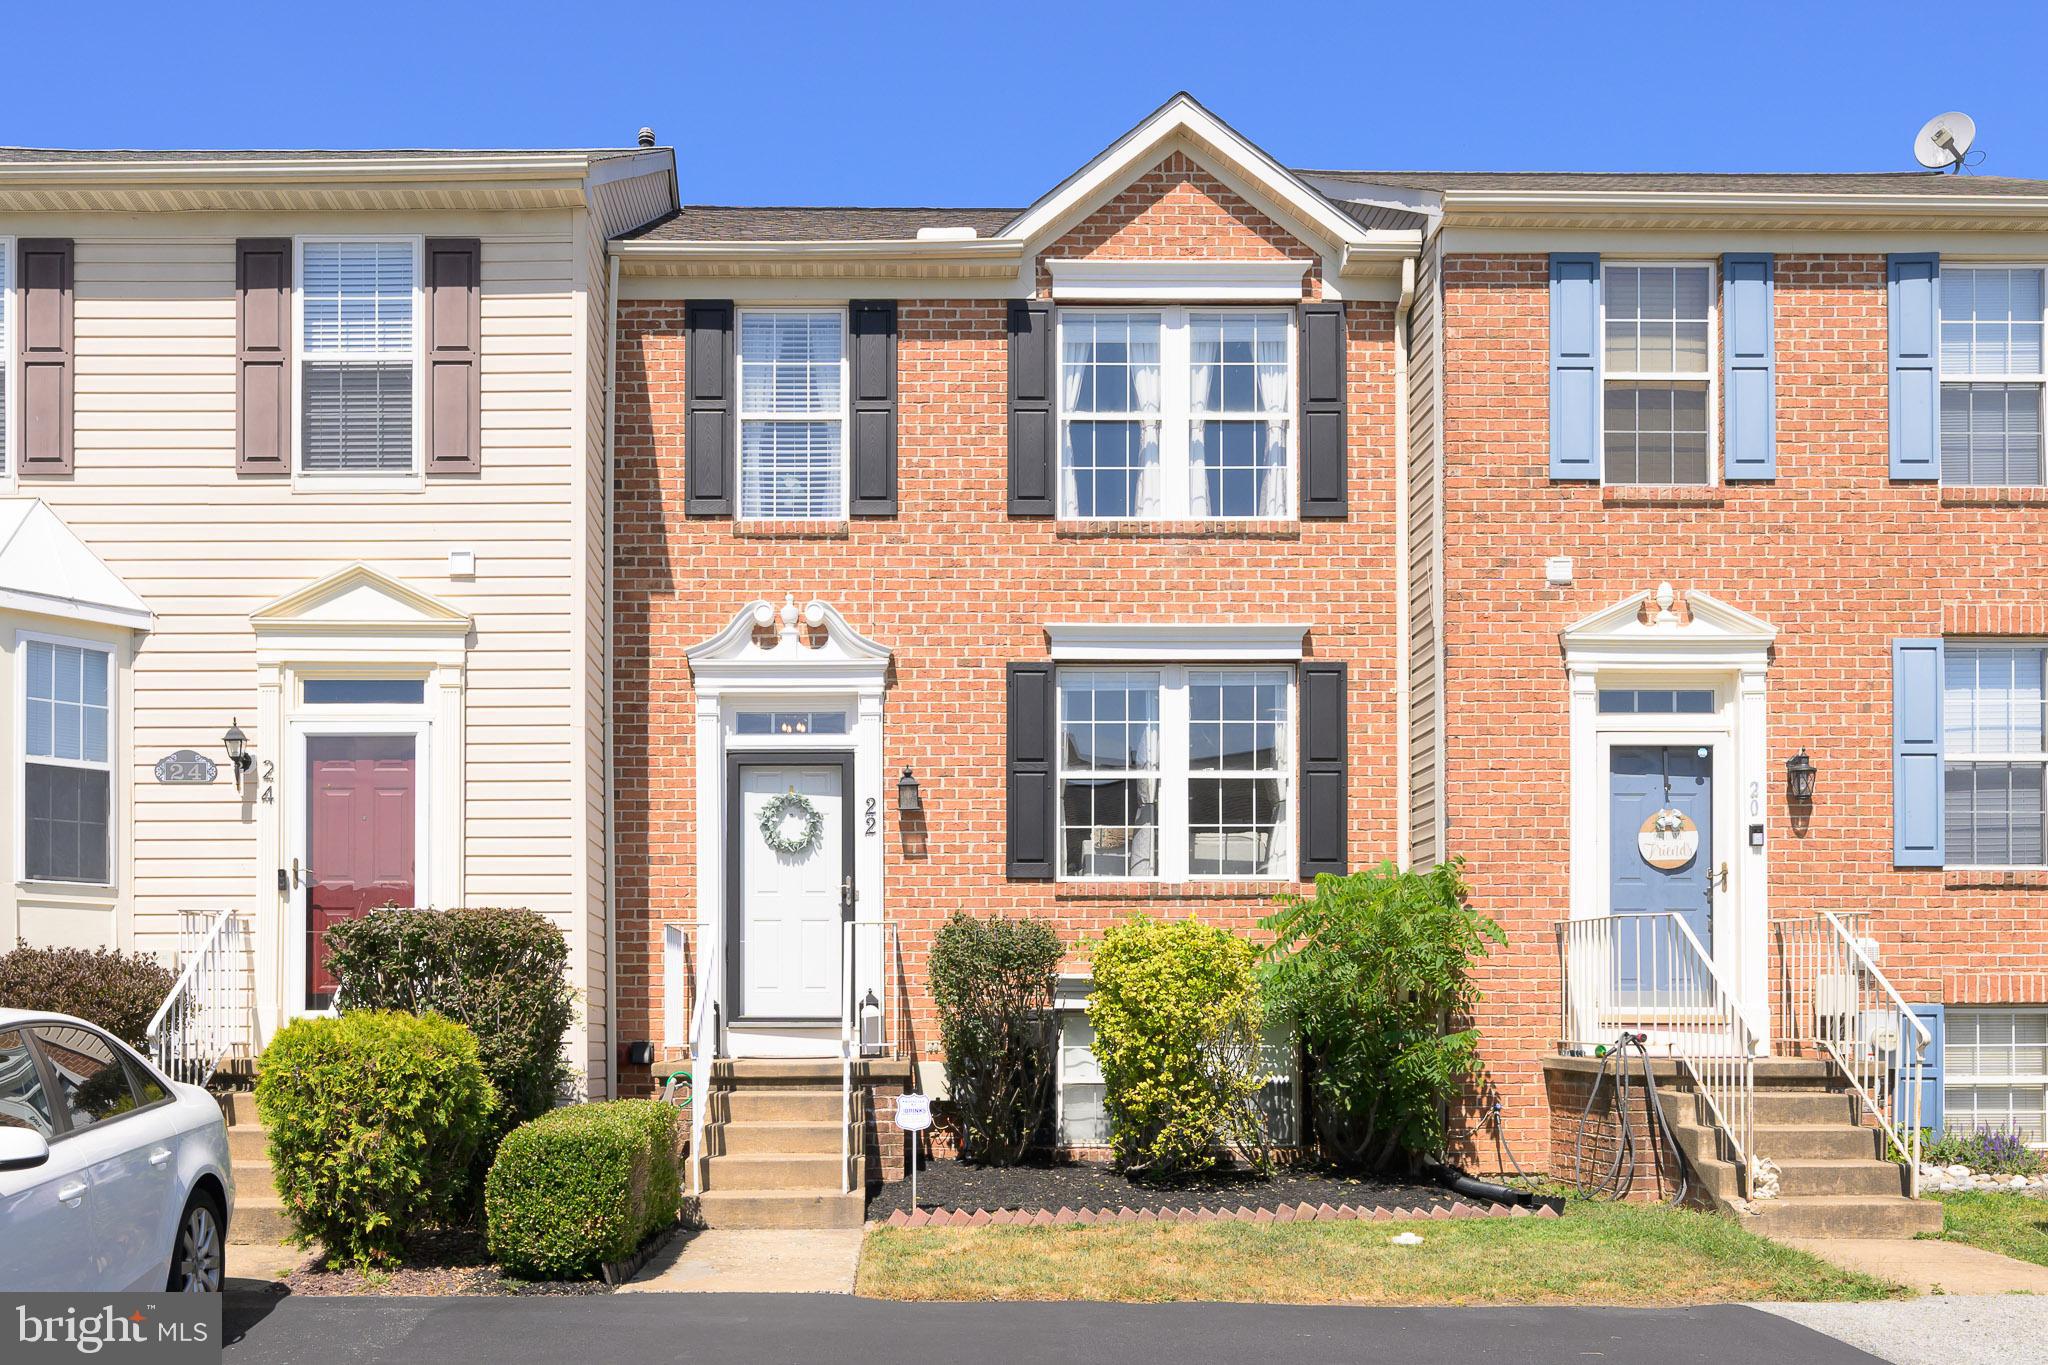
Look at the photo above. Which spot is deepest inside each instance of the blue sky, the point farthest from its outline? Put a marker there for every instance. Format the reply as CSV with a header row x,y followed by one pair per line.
x,y
983,104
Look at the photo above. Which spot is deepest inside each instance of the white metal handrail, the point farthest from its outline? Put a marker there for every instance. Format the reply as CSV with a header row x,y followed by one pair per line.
x,y
1840,1003
193,1031
862,975
1647,973
703,1048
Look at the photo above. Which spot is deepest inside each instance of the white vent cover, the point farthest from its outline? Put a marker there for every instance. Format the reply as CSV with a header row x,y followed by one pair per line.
x,y
946,234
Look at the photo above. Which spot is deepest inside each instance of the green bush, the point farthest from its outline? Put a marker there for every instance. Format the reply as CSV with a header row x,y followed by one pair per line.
x,y
375,1118
583,1185
1993,1151
118,991
1369,973
992,980
501,972
1176,1014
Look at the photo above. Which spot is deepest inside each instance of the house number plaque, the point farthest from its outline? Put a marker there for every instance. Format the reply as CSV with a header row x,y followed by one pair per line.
x,y
1668,839
186,766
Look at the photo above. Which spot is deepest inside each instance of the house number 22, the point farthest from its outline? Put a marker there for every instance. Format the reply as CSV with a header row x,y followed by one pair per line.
x,y
871,817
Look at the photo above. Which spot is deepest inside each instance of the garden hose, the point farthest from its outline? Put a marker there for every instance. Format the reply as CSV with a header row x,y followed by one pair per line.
x,y
1619,1178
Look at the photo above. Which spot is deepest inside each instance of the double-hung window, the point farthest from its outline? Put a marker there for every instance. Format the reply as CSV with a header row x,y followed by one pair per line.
x,y
359,344
1659,366
1995,1072
792,418
1994,758
1991,375
1174,773
67,776
1176,414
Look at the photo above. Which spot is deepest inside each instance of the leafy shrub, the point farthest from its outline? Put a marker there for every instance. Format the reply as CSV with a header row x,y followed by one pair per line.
x,y
1176,1015
374,1120
583,1185
1370,972
498,971
993,982
118,991
1993,1151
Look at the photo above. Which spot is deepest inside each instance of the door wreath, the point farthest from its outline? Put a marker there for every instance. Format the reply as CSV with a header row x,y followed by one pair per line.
x,y
790,824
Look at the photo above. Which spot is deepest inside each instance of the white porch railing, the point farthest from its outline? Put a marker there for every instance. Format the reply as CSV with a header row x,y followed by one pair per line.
x,y
703,1037
197,1025
870,954
1648,974
1836,1002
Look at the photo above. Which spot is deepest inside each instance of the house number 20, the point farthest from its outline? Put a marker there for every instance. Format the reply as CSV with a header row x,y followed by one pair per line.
x,y
871,817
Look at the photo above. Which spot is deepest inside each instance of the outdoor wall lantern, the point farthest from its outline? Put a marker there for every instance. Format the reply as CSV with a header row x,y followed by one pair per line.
x,y
1799,776
237,745
907,799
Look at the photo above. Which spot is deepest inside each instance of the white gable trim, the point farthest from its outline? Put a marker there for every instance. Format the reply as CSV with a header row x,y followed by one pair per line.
x,y
1172,281
1181,642
359,600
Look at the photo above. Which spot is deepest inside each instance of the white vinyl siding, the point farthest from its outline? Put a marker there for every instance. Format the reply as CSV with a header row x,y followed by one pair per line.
x,y
358,356
1176,414
67,775
1995,1072
1991,375
793,450
1994,757
1658,418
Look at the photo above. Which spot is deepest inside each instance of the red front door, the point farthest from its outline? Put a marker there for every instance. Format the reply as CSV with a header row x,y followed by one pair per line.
x,y
360,845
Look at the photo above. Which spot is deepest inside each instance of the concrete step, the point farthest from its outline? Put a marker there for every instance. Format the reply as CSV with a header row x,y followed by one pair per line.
x,y
815,1173
237,1106
258,1218
749,1072
1824,1176
780,1139
1793,1141
1848,1216
255,1179
1792,1073
247,1142
775,1105
1774,1108
781,1209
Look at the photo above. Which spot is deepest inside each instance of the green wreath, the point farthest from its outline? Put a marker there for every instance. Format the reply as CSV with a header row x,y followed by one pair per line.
x,y
775,815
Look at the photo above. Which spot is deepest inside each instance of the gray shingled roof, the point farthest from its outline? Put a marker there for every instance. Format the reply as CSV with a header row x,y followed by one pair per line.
x,y
1931,183
47,155
726,223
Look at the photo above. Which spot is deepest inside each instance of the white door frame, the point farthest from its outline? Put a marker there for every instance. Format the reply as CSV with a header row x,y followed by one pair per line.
x,y
1645,641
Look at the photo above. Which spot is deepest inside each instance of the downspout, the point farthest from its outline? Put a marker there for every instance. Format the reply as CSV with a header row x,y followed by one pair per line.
x,y
1404,738
607,712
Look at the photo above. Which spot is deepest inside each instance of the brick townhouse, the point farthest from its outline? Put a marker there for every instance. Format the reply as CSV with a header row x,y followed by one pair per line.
x,y
1659,544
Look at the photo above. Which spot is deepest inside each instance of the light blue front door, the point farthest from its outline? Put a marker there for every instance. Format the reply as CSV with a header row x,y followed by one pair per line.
x,y
1644,779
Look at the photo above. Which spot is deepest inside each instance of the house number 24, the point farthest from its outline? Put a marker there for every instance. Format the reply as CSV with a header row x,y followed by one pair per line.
x,y
871,816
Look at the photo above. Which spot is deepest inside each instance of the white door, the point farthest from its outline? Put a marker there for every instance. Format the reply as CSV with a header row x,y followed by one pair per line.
x,y
789,903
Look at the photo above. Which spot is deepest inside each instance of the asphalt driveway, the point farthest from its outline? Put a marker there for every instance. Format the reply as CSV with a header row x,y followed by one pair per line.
x,y
799,1329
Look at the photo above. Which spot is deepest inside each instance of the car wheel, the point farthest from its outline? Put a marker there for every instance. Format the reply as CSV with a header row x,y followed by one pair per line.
x,y
199,1256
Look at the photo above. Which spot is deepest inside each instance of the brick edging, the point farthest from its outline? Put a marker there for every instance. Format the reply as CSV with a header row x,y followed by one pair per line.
x,y
1292,1213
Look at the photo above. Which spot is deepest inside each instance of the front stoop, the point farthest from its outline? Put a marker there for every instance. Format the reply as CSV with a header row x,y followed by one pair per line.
x,y
773,1134
259,1217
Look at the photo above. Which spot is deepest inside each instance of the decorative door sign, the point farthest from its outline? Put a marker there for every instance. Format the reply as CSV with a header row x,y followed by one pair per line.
x,y
186,766
1668,839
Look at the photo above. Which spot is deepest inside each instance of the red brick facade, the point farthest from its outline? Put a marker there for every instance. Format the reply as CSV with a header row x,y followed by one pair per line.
x,y
1836,555
958,589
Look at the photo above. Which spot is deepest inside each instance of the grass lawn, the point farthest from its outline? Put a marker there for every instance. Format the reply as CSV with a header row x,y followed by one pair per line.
x,y
2013,1225
1596,1253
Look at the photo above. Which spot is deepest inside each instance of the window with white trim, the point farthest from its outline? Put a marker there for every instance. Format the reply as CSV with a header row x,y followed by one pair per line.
x,y
358,354
67,776
792,414
1994,758
1176,413
1995,1072
1659,374
1173,773
1991,375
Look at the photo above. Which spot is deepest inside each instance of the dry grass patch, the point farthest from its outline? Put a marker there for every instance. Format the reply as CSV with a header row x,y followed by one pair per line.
x,y
1596,1254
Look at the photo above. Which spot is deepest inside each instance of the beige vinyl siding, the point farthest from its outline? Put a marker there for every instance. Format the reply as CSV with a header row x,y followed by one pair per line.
x,y
1425,571
157,497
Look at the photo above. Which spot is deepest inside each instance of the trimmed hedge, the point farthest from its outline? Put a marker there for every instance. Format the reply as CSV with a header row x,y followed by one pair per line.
x,y
374,1118
583,1185
118,991
992,980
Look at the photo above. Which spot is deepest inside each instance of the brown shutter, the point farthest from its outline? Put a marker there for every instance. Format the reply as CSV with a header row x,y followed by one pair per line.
x,y
708,408
46,378
1322,410
1033,730
455,402
263,355
1324,803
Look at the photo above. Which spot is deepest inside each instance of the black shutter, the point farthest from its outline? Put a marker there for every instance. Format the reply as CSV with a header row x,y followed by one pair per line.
x,y
1322,813
709,416
873,327
1032,727
1322,410
1032,376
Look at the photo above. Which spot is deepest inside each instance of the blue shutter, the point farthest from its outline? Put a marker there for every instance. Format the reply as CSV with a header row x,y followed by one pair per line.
x,y
1750,366
1913,280
1916,753
1574,365
1930,1070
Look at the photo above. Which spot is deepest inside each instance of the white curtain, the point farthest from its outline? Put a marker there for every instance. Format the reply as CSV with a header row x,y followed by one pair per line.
x,y
1147,503
1075,355
1273,478
1198,468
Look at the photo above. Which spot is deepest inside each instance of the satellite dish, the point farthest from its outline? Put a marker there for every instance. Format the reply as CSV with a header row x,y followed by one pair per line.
x,y
1945,141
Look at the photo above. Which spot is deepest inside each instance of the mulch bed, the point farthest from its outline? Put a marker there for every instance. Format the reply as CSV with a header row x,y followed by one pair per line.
x,y
1053,1186
444,1263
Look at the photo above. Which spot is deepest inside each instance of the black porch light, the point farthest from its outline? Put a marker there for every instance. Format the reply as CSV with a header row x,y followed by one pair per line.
x,y
237,745
907,799
1799,776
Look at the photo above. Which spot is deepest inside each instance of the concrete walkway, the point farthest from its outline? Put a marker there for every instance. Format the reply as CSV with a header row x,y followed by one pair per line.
x,y
754,1261
1928,1266
2009,1329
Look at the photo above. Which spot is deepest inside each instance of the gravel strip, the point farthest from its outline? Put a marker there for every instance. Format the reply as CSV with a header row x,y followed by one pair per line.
x,y
1078,1185
2010,1329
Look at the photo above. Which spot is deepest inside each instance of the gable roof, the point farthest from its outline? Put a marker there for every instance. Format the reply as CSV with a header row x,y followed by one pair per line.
x,y
1934,184
46,569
